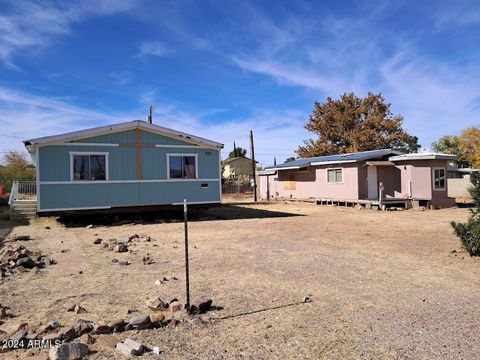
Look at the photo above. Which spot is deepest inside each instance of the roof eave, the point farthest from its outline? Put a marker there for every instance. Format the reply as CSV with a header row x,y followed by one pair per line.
x,y
81,134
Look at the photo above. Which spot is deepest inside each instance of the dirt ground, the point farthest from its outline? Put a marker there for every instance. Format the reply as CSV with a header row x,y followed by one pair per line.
x,y
384,285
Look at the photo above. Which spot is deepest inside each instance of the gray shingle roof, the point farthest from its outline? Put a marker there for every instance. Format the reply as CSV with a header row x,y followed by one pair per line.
x,y
351,157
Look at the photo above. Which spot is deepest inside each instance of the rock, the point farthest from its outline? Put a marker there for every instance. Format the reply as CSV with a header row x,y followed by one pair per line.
x,y
197,321
307,299
68,334
32,336
26,262
124,263
20,270
52,325
69,307
52,337
121,247
102,329
138,320
78,309
175,306
81,327
108,341
22,238
19,335
136,346
358,207
147,260
204,306
158,282
69,351
156,304
156,350
133,237
87,339
157,318
130,347
116,323
97,241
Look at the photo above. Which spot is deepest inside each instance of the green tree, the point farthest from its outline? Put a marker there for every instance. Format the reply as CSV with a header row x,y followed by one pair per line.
x,y
469,232
352,124
237,152
17,167
290,159
450,144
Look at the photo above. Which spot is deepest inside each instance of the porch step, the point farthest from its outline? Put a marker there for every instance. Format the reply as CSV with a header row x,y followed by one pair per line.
x,y
23,209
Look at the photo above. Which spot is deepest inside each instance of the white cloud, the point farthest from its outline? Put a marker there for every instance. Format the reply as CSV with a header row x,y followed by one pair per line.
x,y
153,48
25,116
31,25
121,77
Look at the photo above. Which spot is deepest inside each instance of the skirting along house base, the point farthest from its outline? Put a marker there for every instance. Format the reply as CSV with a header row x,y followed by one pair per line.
x,y
124,166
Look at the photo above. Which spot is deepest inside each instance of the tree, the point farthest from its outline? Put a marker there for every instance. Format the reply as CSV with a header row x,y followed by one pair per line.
x,y
469,232
237,152
450,144
352,124
16,159
469,144
290,159
17,167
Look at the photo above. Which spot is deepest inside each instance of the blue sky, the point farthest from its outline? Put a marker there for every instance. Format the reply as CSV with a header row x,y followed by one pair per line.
x,y
220,68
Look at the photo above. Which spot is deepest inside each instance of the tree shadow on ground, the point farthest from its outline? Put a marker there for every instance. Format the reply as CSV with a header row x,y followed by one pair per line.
x,y
222,212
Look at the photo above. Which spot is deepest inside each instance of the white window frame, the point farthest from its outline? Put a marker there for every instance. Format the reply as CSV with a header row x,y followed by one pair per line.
x,y
336,182
183,154
87,153
444,176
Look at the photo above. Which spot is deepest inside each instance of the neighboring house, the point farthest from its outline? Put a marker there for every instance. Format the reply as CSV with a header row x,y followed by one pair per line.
x,y
377,176
237,167
458,181
124,166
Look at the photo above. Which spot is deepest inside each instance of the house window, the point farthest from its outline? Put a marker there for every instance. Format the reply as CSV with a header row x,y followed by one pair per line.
x,y
89,166
439,179
334,176
182,166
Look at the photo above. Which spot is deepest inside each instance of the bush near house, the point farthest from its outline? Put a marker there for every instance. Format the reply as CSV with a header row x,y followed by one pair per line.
x,y
469,232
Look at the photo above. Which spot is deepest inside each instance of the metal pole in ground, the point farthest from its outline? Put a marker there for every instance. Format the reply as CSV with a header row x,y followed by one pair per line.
x,y
187,275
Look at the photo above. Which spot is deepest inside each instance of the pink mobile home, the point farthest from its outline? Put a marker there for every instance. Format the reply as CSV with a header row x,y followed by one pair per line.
x,y
377,177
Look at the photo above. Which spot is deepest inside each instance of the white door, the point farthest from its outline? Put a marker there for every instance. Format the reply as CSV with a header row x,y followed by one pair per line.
x,y
372,182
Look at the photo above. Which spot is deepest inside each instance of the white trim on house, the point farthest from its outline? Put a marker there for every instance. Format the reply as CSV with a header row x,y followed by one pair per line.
x,y
198,202
444,188
423,156
283,168
316,163
37,170
85,153
182,154
103,130
83,182
336,182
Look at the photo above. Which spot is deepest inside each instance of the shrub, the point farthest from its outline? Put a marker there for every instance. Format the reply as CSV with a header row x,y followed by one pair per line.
x,y
469,232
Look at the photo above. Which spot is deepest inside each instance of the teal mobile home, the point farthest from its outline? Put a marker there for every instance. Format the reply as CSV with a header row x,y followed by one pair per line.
x,y
131,164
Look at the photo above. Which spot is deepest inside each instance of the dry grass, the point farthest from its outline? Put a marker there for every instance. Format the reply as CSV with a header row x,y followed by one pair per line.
x,y
383,284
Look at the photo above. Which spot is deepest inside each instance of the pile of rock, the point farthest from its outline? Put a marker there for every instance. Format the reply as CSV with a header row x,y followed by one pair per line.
x,y
18,259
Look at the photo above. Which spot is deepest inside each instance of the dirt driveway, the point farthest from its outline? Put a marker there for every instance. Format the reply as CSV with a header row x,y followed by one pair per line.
x,y
383,284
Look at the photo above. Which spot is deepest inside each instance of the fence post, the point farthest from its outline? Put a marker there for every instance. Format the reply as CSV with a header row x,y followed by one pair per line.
x,y
187,275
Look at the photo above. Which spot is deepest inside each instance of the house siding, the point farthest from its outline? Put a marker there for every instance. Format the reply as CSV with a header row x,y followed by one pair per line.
x,y
123,188
313,184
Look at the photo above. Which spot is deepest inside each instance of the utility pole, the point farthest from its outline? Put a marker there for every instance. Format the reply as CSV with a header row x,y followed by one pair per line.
x,y
150,116
252,150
